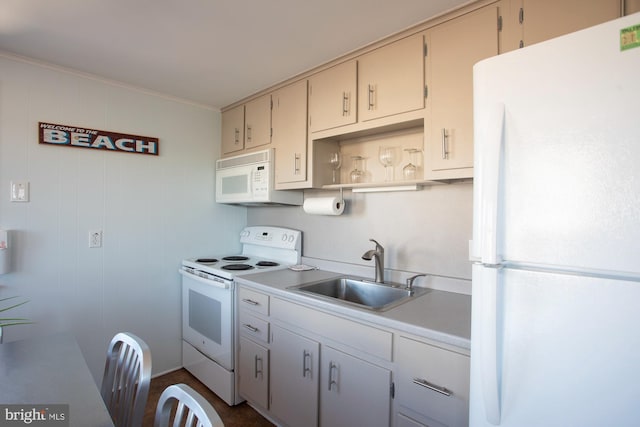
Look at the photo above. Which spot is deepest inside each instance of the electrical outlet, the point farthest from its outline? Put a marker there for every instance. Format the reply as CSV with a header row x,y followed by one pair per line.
x,y
95,238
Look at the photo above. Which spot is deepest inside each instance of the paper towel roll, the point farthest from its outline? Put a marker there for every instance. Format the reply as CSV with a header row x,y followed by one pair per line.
x,y
324,206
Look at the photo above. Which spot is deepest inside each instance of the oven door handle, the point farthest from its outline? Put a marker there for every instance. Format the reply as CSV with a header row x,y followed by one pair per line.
x,y
203,280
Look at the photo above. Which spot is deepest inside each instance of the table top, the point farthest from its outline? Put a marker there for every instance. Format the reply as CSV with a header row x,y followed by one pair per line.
x,y
51,370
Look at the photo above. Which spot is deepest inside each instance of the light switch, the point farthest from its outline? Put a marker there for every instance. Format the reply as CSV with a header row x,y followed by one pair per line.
x,y
19,191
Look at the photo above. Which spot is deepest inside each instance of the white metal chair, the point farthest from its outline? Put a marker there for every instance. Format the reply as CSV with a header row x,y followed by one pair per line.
x,y
192,410
127,375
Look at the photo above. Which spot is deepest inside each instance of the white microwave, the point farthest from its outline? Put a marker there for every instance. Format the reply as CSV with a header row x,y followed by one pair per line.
x,y
248,179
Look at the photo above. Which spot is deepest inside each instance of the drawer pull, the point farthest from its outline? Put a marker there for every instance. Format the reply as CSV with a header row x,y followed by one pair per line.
x,y
250,301
427,384
249,327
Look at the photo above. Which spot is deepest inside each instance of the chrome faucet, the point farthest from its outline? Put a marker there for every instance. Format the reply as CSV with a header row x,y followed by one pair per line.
x,y
378,254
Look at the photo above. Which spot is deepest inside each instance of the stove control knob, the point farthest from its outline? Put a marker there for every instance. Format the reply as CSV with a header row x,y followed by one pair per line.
x,y
291,238
284,237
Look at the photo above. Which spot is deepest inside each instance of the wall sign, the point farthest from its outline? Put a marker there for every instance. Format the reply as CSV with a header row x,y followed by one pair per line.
x,y
70,136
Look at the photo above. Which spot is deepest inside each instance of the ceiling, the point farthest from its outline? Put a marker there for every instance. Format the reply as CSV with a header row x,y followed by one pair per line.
x,y
212,52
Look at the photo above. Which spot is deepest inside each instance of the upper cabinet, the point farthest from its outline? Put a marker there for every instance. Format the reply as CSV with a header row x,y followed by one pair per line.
x,y
247,126
289,123
413,91
391,79
233,130
333,97
453,47
384,82
631,6
533,21
257,122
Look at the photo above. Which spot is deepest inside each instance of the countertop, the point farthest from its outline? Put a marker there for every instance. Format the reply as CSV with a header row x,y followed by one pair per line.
x,y
437,315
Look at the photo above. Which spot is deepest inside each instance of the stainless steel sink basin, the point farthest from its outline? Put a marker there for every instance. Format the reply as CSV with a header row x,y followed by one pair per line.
x,y
359,292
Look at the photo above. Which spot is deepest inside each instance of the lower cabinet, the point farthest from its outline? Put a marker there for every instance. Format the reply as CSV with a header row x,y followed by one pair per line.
x,y
353,392
294,378
313,368
254,372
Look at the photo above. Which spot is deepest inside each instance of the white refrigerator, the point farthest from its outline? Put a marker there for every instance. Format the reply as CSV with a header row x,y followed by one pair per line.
x,y
555,338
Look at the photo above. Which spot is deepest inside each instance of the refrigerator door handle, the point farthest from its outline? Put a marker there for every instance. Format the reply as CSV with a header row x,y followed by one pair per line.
x,y
489,343
490,170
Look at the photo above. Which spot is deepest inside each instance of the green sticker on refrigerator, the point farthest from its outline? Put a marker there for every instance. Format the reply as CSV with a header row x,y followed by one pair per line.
x,y
630,37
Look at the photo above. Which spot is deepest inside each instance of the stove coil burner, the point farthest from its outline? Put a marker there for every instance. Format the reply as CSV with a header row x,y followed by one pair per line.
x,y
237,267
267,264
206,260
235,258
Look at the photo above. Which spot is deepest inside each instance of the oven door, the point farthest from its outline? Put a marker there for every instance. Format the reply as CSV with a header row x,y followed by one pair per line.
x,y
207,317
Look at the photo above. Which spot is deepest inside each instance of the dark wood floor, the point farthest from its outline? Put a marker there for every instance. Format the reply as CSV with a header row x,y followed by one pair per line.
x,y
239,415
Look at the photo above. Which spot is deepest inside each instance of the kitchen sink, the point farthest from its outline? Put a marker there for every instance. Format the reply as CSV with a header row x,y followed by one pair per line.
x,y
360,292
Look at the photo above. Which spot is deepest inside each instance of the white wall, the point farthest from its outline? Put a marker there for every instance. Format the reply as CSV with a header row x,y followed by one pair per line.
x,y
426,231
154,211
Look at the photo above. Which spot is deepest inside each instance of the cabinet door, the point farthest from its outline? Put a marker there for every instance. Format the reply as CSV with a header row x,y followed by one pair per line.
x,y
541,20
289,123
332,97
631,6
452,49
294,378
391,79
254,372
233,130
353,392
257,122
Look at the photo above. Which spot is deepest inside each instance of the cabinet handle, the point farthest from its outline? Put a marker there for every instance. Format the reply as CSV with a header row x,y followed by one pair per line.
x,y
255,366
237,135
249,327
250,301
296,163
332,366
426,384
248,133
305,355
371,90
345,104
445,147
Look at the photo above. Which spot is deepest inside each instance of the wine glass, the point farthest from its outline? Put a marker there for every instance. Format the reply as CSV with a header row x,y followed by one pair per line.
x,y
357,174
335,161
410,171
388,157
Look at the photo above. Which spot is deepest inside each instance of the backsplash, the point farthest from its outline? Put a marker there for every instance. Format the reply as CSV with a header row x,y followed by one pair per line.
x,y
425,231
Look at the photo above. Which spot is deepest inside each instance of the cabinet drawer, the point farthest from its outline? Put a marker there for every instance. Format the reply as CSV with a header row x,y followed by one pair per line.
x,y
369,339
254,326
252,300
433,382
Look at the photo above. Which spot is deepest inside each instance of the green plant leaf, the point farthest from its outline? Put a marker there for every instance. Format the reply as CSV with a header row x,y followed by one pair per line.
x,y
10,321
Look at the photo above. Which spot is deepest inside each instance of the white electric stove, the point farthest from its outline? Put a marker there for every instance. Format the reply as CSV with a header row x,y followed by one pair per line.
x,y
208,302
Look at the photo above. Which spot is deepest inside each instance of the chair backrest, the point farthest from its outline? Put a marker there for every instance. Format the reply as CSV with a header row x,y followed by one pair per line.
x,y
127,375
191,410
